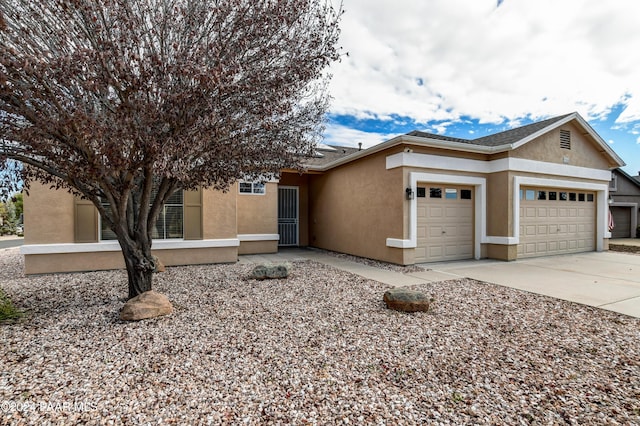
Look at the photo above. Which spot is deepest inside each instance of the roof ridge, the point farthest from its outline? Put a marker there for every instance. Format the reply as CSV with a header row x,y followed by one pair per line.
x,y
504,137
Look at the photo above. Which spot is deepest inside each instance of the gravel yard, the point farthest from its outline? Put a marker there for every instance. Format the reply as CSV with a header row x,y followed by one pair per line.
x,y
317,348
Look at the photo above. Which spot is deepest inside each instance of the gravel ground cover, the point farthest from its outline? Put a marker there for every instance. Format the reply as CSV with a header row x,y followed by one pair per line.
x,y
316,348
625,248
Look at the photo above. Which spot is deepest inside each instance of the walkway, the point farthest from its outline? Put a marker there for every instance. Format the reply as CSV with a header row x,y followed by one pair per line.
x,y
607,280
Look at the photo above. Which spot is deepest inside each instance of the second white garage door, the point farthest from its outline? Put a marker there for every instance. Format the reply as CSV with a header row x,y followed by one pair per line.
x,y
445,223
556,221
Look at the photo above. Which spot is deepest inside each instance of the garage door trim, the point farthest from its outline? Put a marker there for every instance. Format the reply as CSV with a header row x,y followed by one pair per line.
x,y
601,190
480,223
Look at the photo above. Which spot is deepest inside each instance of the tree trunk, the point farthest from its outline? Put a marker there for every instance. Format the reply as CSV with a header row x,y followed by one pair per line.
x,y
140,266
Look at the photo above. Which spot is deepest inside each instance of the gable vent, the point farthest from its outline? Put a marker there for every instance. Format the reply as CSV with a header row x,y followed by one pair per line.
x,y
565,139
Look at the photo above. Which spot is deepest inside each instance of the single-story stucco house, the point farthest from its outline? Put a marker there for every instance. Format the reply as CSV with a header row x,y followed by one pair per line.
x,y
624,201
536,190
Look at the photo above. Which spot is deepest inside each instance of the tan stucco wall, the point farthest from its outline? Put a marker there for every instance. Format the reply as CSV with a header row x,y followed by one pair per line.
x,y
48,216
258,213
355,208
255,247
502,252
584,152
302,182
499,205
219,213
95,261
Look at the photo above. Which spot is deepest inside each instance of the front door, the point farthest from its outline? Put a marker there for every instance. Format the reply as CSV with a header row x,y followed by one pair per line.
x,y
288,215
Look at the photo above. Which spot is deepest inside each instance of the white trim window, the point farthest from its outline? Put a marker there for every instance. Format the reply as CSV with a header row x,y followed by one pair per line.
x,y
256,188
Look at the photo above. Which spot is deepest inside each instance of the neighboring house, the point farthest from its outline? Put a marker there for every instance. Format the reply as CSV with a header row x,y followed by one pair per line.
x,y
537,190
624,201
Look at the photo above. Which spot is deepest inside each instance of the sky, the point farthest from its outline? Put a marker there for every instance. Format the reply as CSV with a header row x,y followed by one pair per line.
x,y
468,68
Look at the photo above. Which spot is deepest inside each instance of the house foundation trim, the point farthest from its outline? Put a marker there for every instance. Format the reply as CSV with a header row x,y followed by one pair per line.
x,y
259,237
115,246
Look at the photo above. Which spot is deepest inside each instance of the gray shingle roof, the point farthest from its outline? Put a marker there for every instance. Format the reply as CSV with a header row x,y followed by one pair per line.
x,y
329,156
498,139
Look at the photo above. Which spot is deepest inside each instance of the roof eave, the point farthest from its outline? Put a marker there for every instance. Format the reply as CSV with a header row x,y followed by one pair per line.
x,y
412,140
470,147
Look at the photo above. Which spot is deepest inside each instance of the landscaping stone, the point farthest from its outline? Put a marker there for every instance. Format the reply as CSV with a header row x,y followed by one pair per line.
x,y
270,271
149,304
406,300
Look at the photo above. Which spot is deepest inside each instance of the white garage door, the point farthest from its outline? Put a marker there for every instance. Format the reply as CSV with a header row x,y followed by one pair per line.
x,y
556,221
445,223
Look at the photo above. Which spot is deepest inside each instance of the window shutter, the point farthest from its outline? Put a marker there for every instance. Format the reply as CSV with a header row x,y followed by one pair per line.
x,y
85,221
193,214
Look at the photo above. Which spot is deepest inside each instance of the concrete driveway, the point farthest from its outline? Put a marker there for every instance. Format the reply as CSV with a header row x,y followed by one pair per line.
x,y
607,280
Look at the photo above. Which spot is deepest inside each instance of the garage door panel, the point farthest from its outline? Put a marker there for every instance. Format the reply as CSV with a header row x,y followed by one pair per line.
x,y
435,251
421,232
558,226
448,224
434,212
435,231
466,231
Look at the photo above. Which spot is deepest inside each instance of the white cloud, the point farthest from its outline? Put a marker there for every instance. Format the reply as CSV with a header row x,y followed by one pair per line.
x,y
336,134
443,59
610,141
638,140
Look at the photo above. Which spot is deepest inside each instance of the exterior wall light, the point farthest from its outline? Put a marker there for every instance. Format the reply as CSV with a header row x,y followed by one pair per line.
x,y
409,193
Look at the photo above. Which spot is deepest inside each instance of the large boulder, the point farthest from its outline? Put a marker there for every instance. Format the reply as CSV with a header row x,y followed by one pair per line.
x,y
406,300
149,304
270,271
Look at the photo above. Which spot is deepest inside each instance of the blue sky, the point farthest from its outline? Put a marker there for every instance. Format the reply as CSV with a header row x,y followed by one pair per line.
x,y
468,68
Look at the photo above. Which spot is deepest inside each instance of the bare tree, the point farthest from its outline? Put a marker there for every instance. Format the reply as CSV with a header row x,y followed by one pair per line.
x,y
125,102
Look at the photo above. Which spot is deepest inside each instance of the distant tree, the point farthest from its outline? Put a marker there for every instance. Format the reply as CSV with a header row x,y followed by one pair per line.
x,y
7,217
127,101
18,203
3,214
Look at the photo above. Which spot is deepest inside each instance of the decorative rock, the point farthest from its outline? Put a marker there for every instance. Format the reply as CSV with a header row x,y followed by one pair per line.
x,y
403,299
159,265
149,304
270,271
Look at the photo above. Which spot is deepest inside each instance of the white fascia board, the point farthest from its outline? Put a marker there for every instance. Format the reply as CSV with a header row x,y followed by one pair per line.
x,y
604,145
430,161
108,246
258,237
